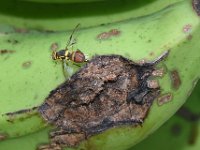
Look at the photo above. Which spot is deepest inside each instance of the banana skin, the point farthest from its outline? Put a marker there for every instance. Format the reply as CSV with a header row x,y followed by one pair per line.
x,y
29,74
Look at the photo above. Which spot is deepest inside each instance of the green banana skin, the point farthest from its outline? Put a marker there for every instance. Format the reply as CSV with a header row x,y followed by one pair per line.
x,y
172,37
25,14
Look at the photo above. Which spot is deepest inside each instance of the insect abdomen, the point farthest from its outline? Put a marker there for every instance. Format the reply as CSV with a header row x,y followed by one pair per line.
x,y
78,57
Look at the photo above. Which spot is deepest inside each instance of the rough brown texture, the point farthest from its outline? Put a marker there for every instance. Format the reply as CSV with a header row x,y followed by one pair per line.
x,y
108,91
26,64
196,6
109,34
175,78
6,51
2,137
165,98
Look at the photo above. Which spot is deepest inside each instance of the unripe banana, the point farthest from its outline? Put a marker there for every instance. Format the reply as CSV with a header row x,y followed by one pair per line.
x,y
62,16
29,74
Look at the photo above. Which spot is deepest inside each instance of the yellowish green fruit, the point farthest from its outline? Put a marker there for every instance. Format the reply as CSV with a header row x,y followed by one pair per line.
x,y
26,86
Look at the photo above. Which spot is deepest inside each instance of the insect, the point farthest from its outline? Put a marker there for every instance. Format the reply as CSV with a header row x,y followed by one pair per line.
x,y
68,54
65,54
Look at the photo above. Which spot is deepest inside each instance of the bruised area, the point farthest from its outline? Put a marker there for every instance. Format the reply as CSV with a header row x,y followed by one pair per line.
x,y
196,6
109,34
108,91
163,99
26,64
175,79
6,51
2,137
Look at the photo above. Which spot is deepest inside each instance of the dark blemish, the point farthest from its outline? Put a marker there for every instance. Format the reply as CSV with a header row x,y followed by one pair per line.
x,y
36,96
194,132
23,111
5,51
175,79
12,41
103,36
149,41
109,91
188,115
26,64
21,30
163,99
107,35
151,54
187,28
49,147
189,37
54,46
21,114
2,137
114,32
196,6
176,129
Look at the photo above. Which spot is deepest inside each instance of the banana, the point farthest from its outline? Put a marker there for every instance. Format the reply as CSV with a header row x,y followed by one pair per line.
x,y
28,74
24,15
178,129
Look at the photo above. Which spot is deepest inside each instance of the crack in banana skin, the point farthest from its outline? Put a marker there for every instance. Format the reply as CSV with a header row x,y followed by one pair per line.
x,y
109,91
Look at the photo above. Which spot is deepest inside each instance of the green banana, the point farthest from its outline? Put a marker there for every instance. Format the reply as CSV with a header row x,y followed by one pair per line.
x,y
177,129
29,74
66,16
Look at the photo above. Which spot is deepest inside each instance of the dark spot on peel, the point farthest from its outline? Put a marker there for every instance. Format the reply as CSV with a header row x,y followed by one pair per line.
x,y
175,79
176,129
13,41
189,37
54,46
109,91
23,111
196,6
21,30
26,64
3,137
109,34
6,51
49,147
163,99
103,36
187,28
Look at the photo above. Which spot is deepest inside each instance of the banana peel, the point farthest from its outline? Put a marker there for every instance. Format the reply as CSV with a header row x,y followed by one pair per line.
x,y
29,74
178,129
25,15
182,129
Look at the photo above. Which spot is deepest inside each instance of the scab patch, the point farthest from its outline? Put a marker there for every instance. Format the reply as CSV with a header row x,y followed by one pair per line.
x,y
108,91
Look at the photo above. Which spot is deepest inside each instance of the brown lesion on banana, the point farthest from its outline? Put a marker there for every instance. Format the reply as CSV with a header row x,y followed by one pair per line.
x,y
6,51
175,79
109,34
165,98
3,136
196,6
21,114
109,91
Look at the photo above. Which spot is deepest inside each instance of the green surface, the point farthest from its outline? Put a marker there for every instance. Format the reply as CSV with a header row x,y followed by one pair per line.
x,y
29,74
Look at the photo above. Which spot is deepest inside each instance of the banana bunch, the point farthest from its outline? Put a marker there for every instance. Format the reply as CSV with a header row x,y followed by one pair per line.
x,y
142,31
